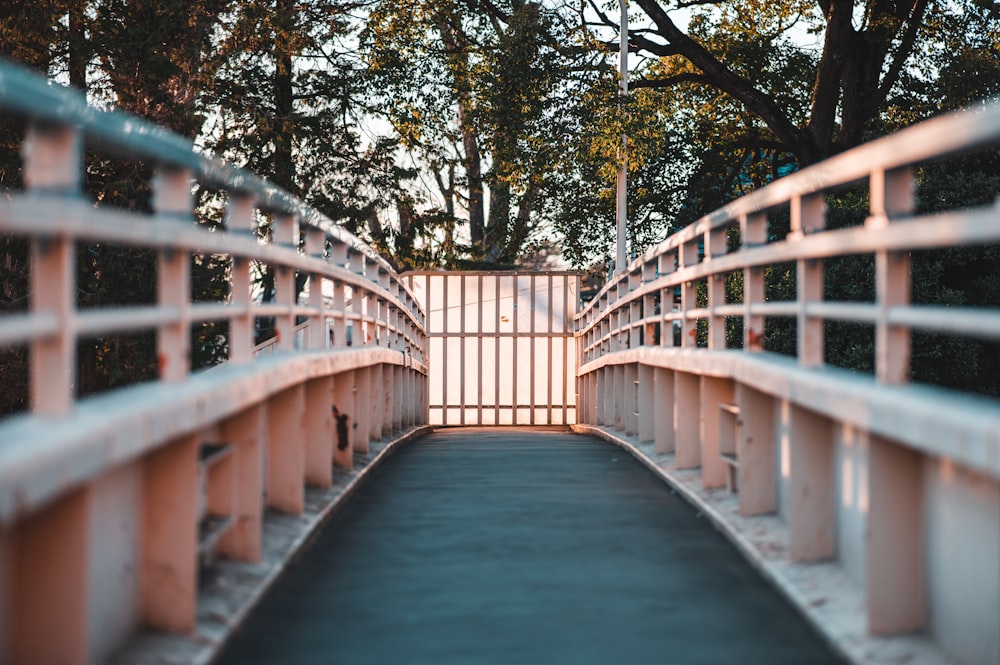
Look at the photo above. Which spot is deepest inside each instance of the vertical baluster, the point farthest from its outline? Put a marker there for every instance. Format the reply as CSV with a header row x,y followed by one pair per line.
x,y
667,264
239,220
52,167
356,261
808,215
286,233
338,256
715,246
753,233
689,296
315,247
891,196
173,202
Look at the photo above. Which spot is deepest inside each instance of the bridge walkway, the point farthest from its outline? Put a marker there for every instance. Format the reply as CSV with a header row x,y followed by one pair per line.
x,y
520,546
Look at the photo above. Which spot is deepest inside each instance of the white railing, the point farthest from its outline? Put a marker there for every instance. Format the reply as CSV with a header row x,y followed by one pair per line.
x,y
109,503
895,487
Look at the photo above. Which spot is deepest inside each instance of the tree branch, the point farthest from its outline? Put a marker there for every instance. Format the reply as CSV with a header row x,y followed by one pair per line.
x,y
495,11
720,76
905,48
826,87
686,77
643,44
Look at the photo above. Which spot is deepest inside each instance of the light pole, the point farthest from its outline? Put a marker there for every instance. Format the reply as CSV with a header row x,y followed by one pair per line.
x,y
621,214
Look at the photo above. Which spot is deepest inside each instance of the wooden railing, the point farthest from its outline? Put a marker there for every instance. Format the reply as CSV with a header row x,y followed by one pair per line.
x,y
109,504
894,486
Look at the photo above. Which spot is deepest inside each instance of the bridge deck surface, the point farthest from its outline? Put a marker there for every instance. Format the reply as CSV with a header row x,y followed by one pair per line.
x,y
521,546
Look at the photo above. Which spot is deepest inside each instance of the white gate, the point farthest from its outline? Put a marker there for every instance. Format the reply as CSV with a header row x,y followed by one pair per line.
x,y
502,350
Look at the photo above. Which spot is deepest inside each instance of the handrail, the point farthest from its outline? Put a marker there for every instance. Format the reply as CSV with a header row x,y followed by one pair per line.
x,y
699,254
60,120
27,95
959,131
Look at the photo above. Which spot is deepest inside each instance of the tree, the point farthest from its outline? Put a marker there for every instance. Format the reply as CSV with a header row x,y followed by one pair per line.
x,y
864,50
477,93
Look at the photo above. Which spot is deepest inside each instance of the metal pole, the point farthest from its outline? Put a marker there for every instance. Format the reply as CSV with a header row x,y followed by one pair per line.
x,y
622,205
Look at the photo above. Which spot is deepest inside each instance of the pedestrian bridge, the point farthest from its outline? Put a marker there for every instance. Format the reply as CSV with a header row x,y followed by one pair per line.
x,y
145,524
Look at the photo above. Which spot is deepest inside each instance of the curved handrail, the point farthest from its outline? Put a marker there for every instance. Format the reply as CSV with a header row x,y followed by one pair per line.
x,y
25,94
59,121
956,132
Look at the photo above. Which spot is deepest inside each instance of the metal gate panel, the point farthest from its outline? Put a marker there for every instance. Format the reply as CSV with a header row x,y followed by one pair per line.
x,y
501,346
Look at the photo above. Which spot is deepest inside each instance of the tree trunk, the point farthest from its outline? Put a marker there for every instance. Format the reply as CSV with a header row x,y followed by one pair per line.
x,y
472,160
458,62
522,221
282,123
78,55
496,231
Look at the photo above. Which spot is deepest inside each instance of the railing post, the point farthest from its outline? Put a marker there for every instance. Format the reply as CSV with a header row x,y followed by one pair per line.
x,y
173,203
286,457
52,166
343,401
168,584
647,405
357,265
47,619
716,246
319,432
371,303
363,408
755,452
808,215
687,420
715,391
689,295
338,257
663,400
317,335
246,432
896,568
397,319
891,196
239,220
649,271
634,310
286,233
384,310
667,265
811,516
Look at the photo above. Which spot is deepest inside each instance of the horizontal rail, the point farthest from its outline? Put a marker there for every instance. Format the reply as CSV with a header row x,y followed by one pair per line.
x,y
24,94
931,140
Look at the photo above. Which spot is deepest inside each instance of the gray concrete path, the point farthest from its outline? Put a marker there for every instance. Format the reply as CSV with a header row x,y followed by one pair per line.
x,y
516,546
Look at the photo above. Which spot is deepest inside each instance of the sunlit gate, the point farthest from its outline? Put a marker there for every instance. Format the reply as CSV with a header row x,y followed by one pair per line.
x,y
501,346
